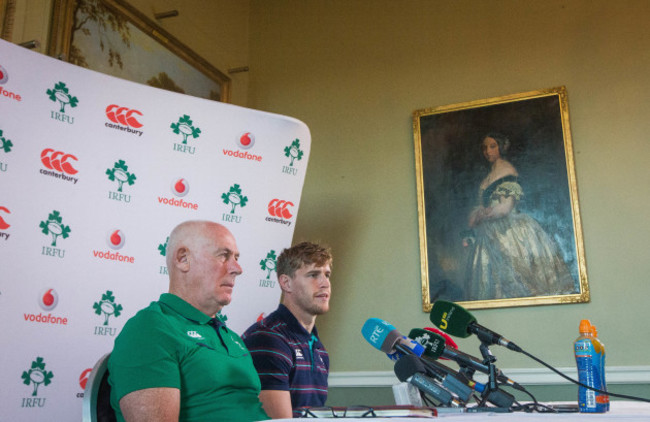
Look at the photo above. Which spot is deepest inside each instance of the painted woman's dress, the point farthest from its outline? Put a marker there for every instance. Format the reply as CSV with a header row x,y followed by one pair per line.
x,y
512,256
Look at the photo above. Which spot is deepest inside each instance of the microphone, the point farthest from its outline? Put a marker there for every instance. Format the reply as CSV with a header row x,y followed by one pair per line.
x,y
434,347
455,320
410,369
383,336
449,342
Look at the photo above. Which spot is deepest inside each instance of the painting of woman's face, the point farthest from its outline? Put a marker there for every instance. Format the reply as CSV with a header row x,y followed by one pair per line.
x,y
491,149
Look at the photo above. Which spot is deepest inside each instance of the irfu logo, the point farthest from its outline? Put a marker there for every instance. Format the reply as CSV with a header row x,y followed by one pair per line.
x,y
60,94
234,198
120,173
107,306
5,144
162,248
293,151
268,263
54,226
185,128
37,375
222,317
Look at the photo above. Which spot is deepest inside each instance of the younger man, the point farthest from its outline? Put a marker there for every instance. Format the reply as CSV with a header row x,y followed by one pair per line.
x,y
290,359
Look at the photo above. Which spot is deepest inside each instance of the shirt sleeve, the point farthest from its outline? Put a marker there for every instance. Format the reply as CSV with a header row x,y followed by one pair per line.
x,y
144,356
272,357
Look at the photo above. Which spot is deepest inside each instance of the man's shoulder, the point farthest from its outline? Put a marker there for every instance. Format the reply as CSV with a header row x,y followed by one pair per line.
x,y
268,325
151,313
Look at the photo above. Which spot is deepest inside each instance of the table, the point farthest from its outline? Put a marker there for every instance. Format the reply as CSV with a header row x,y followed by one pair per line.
x,y
620,411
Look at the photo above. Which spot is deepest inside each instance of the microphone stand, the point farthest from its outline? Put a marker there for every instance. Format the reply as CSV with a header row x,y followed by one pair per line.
x,y
503,400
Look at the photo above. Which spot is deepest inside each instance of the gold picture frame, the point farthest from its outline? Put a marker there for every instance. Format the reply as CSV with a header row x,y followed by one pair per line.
x,y
113,37
507,233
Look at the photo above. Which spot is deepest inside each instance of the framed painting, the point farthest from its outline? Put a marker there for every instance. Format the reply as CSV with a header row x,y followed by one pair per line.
x,y
498,210
113,37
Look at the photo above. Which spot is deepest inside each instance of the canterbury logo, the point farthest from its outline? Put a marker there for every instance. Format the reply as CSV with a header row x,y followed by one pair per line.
x,y
278,208
3,224
123,115
58,160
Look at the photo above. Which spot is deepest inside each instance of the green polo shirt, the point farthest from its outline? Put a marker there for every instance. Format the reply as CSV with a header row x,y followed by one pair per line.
x,y
170,344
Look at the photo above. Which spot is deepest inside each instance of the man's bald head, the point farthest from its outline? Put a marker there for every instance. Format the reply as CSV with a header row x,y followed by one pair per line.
x,y
189,234
202,264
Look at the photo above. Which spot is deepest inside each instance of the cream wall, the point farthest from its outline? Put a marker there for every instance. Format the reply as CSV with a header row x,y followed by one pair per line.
x,y
355,70
215,29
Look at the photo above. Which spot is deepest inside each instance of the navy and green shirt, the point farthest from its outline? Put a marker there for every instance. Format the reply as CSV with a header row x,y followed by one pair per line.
x,y
287,357
172,344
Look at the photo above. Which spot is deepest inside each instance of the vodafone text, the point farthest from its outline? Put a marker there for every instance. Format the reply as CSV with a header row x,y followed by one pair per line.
x,y
10,94
178,203
114,256
49,318
242,154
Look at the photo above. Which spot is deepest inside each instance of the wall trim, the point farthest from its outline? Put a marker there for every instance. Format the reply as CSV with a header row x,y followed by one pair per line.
x,y
524,376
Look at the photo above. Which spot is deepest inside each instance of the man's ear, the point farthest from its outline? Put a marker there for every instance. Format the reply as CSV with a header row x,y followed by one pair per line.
x,y
285,282
182,259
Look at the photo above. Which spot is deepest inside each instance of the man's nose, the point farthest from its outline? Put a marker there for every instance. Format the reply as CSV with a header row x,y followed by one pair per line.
x,y
235,267
324,281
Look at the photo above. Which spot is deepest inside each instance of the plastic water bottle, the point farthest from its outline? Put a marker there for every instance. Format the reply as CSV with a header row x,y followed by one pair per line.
x,y
596,340
588,359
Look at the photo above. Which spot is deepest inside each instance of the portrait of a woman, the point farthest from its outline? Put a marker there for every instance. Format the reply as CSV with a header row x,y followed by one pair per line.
x,y
510,254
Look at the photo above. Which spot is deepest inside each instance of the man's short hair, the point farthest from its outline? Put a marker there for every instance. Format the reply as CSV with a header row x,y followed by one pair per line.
x,y
304,253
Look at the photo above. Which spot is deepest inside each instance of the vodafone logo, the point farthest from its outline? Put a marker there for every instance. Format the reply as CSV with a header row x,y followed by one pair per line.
x,y
48,299
280,208
3,223
115,239
83,378
180,187
4,76
124,116
246,140
59,161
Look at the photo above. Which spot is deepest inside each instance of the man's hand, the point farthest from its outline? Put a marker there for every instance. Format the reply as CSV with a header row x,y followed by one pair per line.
x,y
276,403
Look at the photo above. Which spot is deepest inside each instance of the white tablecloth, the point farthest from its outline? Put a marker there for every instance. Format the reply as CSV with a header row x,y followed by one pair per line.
x,y
620,411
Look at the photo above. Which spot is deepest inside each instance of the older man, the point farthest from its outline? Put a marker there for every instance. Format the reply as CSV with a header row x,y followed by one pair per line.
x,y
292,362
175,360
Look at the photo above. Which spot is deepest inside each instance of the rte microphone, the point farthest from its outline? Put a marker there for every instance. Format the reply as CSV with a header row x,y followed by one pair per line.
x,y
410,369
455,320
383,336
434,347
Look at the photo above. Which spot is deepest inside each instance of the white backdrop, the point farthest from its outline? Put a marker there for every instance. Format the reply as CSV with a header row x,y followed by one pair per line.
x,y
94,173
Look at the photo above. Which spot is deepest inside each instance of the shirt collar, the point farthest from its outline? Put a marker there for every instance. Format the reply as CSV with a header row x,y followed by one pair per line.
x,y
293,323
183,308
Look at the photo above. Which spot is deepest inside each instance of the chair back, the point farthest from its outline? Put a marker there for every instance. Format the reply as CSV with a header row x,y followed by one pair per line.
x,y
96,406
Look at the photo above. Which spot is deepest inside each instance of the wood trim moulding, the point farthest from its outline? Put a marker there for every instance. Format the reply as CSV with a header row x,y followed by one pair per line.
x,y
524,376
